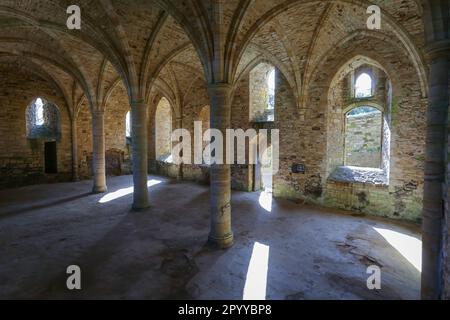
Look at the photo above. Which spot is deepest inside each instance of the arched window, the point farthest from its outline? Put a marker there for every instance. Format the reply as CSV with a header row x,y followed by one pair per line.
x,y
271,89
363,86
39,112
128,125
43,120
163,131
262,93
363,137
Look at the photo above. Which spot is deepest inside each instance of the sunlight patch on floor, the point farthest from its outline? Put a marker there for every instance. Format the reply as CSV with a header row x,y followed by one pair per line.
x,y
125,191
409,247
265,201
256,281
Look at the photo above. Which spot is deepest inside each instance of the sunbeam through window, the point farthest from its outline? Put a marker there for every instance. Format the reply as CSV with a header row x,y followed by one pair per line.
x,y
256,281
124,192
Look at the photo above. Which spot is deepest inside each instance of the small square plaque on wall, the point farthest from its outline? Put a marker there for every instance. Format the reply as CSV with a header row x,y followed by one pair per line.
x,y
298,168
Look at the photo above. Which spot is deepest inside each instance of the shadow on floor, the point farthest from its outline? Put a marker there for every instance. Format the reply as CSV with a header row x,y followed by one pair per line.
x,y
4,215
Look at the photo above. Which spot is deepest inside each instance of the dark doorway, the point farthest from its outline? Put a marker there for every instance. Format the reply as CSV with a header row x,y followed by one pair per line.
x,y
51,162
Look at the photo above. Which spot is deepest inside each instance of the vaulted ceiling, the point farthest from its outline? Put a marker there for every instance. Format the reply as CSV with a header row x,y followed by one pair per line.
x,y
160,42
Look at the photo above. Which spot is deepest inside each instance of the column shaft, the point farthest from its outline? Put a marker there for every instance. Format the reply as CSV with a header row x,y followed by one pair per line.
x,y
74,135
140,154
179,122
99,163
221,235
433,203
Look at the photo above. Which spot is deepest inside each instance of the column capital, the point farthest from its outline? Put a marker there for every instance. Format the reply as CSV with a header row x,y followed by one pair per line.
x,y
98,112
137,102
219,88
438,49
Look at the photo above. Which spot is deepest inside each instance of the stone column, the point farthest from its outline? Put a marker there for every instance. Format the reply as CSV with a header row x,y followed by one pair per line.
x,y
436,146
221,235
179,122
140,155
75,176
99,163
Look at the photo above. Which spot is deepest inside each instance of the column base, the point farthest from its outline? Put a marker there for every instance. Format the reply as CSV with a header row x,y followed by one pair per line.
x,y
221,243
97,190
139,207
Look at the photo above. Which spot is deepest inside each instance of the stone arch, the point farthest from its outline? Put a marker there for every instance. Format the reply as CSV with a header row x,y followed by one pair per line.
x,y
341,99
403,102
267,59
199,32
406,91
363,104
116,106
159,91
398,31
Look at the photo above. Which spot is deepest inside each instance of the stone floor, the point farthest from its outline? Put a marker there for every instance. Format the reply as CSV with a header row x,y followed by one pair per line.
x,y
283,250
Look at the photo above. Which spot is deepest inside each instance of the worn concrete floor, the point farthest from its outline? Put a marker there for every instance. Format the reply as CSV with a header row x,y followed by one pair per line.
x,y
283,250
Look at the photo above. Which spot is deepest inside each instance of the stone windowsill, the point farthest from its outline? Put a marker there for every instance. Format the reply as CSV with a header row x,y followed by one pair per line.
x,y
351,174
166,159
169,161
262,121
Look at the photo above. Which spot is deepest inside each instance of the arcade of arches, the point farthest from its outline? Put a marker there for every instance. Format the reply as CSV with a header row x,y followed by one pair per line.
x,y
86,122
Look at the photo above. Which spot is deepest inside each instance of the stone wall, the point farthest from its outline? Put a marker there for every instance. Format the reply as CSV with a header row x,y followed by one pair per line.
x,y
84,141
195,107
242,175
309,135
363,140
118,151
402,197
22,159
305,138
298,138
312,133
